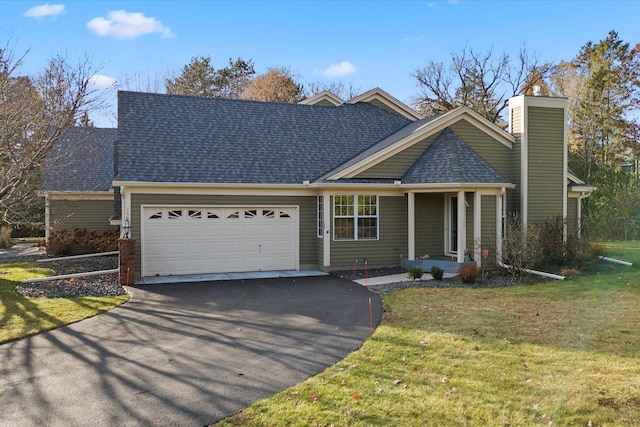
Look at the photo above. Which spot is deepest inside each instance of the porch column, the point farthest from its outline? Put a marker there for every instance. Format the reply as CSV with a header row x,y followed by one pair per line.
x,y
462,229
326,234
477,228
411,199
499,225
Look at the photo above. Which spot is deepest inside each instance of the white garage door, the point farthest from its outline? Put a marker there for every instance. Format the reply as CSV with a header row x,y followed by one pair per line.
x,y
194,240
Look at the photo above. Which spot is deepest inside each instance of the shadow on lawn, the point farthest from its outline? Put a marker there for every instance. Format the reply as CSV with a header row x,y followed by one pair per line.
x,y
187,354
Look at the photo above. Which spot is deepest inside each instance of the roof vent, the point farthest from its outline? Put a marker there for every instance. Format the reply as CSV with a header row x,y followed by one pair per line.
x,y
537,91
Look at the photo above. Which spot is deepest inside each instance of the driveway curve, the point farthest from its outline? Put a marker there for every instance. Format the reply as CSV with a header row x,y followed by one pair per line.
x,y
184,354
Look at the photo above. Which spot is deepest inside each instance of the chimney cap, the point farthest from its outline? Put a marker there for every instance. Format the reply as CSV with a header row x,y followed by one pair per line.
x,y
537,90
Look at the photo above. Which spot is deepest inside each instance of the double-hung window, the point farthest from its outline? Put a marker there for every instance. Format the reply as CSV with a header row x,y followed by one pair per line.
x,y
355,217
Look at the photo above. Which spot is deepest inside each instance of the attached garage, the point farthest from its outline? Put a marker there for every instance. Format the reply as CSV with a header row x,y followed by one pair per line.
x,y
180,240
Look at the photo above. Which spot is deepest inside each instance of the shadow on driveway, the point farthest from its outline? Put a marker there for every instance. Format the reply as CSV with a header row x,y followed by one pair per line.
x,y
184,354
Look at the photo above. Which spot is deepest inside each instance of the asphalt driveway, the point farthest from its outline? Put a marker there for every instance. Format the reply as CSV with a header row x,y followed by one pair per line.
x,y
184,354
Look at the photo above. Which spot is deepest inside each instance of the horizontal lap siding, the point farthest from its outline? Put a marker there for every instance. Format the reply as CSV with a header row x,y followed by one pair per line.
x,y
492,151
387,249
429,220
396,166
488,229
572,216
546,168
306,220
90,214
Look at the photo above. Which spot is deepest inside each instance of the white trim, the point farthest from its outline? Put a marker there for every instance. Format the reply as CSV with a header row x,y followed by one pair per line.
x,y
325,95
217,206
388,100
462,226
426,130
47,218
448,187
411,221
477,227
565,170
79,195
326,238
355,216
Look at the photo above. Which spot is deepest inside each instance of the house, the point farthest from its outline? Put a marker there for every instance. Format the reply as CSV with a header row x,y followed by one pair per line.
x,y
77,179
219,185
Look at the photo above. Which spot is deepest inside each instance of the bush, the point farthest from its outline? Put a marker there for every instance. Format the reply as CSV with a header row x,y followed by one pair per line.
x,y
469,273
415,272
81,241
5,236
437,273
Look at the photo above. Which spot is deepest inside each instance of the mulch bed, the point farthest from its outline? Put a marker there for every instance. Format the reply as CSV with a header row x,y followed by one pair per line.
x,y
83,286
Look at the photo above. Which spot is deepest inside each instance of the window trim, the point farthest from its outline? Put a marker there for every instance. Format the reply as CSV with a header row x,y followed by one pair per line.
x,y
356,216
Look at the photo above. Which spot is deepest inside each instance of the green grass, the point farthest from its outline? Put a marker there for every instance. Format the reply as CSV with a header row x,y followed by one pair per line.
x,y
21,317
566,353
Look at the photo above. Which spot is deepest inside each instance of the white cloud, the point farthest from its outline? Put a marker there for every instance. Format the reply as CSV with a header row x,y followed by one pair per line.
x,y
101,81
339,70
41,11
127,25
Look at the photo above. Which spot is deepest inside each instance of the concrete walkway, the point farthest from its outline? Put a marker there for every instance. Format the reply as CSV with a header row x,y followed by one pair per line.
x,y
383,280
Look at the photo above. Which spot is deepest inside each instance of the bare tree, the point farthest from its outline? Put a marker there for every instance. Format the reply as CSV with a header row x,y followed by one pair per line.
x,y
342,90
34,113
482,81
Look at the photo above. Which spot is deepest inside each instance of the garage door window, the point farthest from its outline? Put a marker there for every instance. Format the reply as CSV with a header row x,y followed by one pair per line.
x,y
355,217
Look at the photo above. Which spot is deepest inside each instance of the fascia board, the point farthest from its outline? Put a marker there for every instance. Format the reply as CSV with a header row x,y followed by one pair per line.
x,y
77,195
456,185
325,95
389,100
428,129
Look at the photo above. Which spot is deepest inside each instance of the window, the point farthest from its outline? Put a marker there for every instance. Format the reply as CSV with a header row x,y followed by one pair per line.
x,y
355,217
320,216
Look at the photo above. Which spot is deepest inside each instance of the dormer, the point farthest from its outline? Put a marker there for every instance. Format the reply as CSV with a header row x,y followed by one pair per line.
x,y
382,99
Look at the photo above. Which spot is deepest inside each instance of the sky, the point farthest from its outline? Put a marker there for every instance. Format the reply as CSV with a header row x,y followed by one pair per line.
x,y
365,44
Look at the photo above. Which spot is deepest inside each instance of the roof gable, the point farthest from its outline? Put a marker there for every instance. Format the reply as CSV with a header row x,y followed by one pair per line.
x,y
81,160
413,134
382,99
324,98
449,160
174,138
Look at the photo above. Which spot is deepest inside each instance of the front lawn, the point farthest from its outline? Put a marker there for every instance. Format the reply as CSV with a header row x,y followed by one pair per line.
x,y
20,316
556,353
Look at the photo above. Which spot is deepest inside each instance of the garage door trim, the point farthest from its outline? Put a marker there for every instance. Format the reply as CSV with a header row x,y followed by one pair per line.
x,y
243,207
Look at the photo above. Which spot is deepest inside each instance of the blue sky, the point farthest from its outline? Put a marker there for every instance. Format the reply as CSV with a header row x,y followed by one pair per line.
x,y
365,43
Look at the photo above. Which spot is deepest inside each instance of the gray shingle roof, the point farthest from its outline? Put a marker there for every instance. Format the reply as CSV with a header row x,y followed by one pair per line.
x,y
386,142
449,160
81,160
171,138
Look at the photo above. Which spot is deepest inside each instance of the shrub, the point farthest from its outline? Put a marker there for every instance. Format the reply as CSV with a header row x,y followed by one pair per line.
x,y
469,273
437,273
5,236
415,272
521,248
80,240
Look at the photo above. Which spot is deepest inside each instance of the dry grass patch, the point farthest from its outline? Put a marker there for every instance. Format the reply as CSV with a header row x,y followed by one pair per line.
x,y
556,353
20,316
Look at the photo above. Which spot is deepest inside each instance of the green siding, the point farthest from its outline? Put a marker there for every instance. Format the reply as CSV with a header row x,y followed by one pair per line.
x,y
488,229
396,166
494,152
514,196
572,216
387,249
545,128
90,214
468,197
307,217
429,220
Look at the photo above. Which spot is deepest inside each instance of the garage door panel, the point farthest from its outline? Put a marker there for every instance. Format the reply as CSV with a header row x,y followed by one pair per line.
x,y
191,240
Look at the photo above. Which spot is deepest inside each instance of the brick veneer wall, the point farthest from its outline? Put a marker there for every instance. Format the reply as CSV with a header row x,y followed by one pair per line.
x,y
127,260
